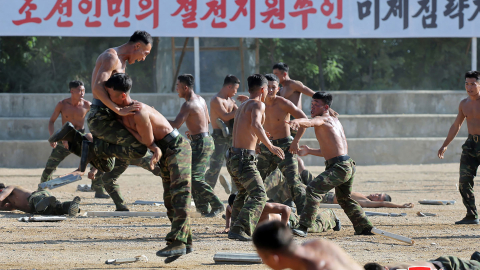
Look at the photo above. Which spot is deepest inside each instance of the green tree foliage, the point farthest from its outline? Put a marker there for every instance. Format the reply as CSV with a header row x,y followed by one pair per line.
x,y
47,64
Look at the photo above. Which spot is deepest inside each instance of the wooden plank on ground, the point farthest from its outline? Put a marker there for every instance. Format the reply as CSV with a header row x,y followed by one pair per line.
x,y
124,214
393,236
236,258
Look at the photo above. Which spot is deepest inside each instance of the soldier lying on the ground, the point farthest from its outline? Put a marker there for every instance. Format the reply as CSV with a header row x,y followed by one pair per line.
x,y
35,202
278,191
275,245
325,220
443,263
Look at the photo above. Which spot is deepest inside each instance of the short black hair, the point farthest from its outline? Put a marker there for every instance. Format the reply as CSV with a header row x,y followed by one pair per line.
x,y
255,82
373,266
272,78
272,236
231,79
119,82
142,36
231,199
388,198
75,84
473,74
324,96
2,185
281,66
187,79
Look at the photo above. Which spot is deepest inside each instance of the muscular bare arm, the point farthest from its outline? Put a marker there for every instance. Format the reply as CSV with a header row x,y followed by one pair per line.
x,y
109,63
306,123
278,208
145,131
258,109
53,118
181,117
377,204
454,129
305,150
220,110
299,87
6,192
293,110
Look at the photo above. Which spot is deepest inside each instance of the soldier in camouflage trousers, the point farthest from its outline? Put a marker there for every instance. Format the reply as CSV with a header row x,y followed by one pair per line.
x,y
469,163
216,160
268,162
109,179
251,197
202,192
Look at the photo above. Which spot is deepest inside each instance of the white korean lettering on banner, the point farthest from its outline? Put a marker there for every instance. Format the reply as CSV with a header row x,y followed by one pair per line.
x,y
242,18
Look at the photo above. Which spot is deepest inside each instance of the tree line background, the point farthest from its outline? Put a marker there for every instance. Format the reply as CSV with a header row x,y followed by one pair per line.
x,y
47,64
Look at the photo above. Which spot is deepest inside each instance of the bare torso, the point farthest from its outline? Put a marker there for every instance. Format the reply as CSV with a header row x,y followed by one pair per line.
x,y
160,125
287,92
275,118
243,134
331,138
74,113
325,255
471,110
198,118
227,103
357,196
18,200
119,66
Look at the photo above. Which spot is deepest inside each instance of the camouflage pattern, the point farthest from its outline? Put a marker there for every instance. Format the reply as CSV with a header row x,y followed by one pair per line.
x,y
469,162
176,173
202,193
246,211
325,220
340,176
59,153
216,160
37,196
276,187
455,263
268,162
111,138
109,179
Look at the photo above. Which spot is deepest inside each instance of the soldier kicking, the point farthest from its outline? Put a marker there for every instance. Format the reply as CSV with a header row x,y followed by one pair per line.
x,y
340,168
241,160
277,112
222,107
73,110
195,113
470,158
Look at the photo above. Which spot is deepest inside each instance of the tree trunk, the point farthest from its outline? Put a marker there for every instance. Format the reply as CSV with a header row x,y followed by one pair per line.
x,y
320,65
156,42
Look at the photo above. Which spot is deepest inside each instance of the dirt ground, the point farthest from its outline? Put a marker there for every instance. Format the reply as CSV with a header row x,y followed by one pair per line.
x,y
86,242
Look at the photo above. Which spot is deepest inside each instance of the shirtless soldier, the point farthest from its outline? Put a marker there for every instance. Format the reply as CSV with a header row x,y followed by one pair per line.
x,y
221,106
241,160
340,168
278,250
73,110
115,140
195,113
35,202
149,126
470,158
277,112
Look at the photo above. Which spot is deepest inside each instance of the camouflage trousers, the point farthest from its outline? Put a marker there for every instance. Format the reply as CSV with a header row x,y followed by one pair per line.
x,y
37,196
202,192
268,162
455,263
469,162
338,175
324,221
176,172
110,137
216,160
109,179
58,154
246,211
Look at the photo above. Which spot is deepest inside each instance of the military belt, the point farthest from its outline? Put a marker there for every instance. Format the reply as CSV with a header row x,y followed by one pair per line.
x,y
474,137
199,136
336,159
282,141
169,137
217,132
243,151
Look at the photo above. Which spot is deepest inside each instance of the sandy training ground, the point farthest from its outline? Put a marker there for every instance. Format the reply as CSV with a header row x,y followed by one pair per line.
x,y
87,242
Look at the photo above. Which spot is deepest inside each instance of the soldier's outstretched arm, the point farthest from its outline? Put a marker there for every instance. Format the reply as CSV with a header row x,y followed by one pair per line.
x,y
258,109
221,111
454,129
53,118
300,87
293,110
181,117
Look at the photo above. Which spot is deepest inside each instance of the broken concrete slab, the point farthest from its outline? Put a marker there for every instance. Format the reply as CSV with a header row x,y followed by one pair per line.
x,y
437,202
236,258
124,214
60,181
42,218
